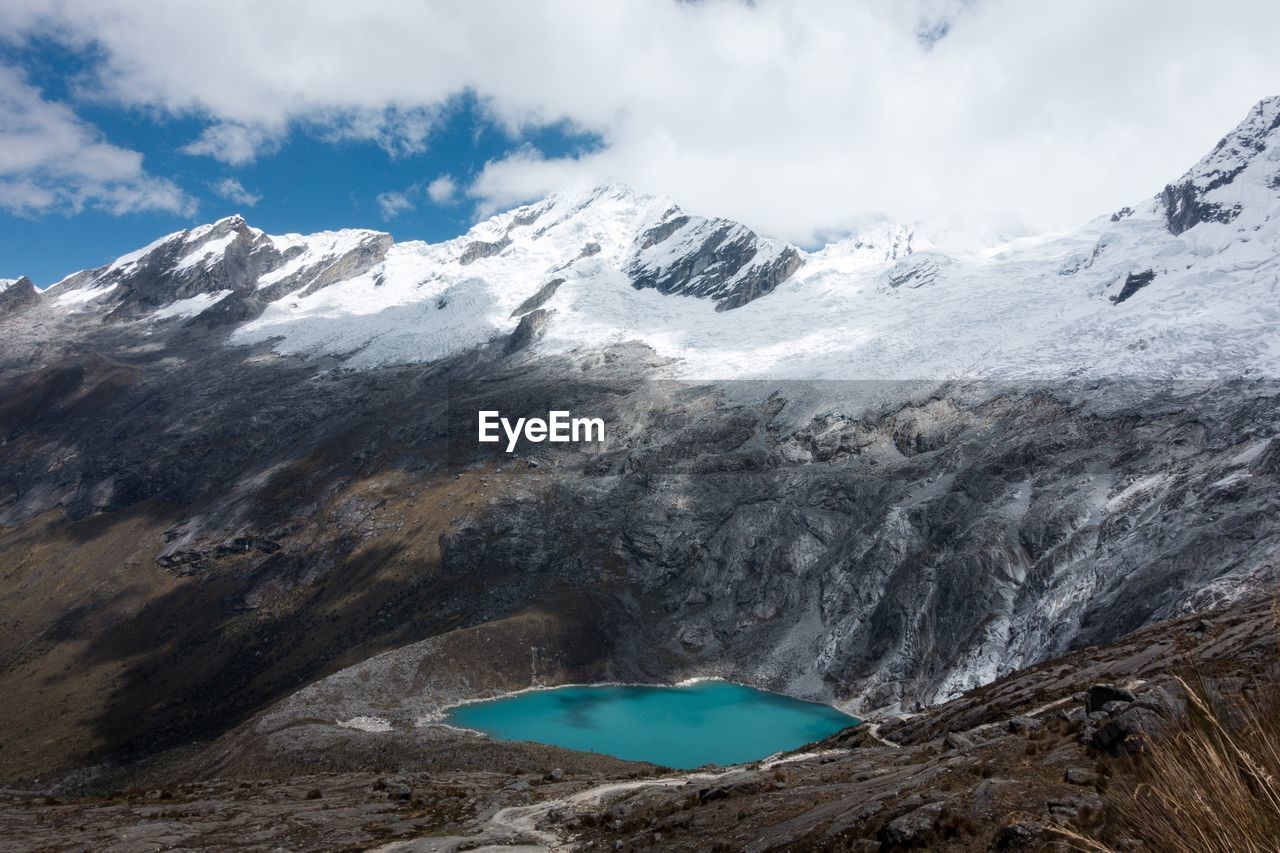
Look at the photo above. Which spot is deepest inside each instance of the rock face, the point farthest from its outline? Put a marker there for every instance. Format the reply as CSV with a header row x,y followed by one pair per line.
x,y
481,249
1132,284
845,546
709,258
887,546
915,828
538,299
1130,722
531,326
913,272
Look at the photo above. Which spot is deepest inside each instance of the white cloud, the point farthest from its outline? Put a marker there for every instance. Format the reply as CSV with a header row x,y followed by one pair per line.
x,y
232,190
399,132
51,160
442,189
799,117
392,204
235,144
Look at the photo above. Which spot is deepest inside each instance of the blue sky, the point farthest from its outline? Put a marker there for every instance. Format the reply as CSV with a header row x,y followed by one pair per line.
x,y
124,120
308,184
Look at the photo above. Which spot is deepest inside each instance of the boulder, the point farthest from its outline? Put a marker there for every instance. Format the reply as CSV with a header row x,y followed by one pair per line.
x,y
1100,694
394,788
1023,725
1130,731
1070,808
1018,835
707,795
1080,776
915,828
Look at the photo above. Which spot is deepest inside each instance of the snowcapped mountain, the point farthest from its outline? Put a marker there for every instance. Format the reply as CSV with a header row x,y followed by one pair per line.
x,y
1185,284
226,270
234,459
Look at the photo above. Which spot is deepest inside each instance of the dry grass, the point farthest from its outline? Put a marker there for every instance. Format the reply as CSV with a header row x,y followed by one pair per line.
x,y
1213,785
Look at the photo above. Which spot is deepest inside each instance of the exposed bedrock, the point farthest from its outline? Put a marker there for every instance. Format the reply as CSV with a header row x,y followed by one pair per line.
x,y
710,258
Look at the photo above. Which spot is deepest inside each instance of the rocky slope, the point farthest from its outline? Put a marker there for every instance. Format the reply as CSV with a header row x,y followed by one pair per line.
x,y
240,490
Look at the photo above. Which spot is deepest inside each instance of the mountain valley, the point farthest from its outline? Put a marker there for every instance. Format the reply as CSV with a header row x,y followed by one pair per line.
x,y
250,549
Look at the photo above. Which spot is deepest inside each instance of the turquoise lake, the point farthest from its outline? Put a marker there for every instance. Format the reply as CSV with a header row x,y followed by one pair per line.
x,y
707,722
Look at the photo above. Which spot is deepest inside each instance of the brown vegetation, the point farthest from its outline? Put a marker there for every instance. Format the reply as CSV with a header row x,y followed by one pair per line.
x,y
1212,786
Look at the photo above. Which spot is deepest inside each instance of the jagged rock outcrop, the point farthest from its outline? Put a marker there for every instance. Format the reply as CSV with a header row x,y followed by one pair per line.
x,y
538,299
482,249
1133,282
229,310
531,326
18,293
709,258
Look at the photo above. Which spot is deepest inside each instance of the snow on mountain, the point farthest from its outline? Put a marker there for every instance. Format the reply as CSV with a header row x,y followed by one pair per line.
x,y
427,301
228,257
877,243
1183,285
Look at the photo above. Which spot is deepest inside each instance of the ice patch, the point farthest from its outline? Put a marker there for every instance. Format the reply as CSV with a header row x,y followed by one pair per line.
x,y
210,251
189,307
83,295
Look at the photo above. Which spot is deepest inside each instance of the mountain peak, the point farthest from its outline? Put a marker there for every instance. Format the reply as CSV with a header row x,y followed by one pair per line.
x,y
1211,190
17,293
878,242
1237,149
650,238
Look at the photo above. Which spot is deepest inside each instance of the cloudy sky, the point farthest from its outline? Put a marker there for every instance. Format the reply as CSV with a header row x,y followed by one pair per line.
x,y
121,120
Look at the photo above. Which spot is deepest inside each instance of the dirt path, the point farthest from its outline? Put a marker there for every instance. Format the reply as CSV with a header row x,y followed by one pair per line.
x,y
515,828
873,729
